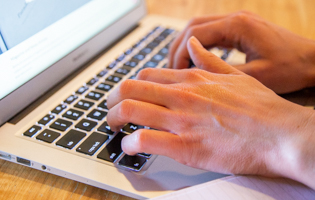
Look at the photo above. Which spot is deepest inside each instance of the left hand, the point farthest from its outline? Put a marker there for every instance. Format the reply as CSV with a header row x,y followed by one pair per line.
x,y
223,120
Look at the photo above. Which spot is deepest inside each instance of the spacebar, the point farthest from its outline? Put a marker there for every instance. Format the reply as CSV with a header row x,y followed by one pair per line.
x,y
112,150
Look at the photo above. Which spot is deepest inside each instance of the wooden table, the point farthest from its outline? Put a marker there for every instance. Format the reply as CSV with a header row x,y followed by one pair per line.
x,y
19,182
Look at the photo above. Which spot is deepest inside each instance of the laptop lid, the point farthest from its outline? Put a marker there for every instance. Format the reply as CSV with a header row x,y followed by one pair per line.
x,y
42,42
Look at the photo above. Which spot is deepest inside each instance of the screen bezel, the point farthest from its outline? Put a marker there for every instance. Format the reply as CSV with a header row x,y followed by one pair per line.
x,y
40,84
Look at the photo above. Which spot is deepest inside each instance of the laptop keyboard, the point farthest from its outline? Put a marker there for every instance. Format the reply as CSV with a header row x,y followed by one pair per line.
x,y
78,124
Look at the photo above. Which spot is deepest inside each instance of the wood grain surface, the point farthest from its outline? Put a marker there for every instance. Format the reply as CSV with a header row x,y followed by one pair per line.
x,y
21,183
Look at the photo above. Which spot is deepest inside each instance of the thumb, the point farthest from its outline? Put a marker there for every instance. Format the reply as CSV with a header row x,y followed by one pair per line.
x,y
205,60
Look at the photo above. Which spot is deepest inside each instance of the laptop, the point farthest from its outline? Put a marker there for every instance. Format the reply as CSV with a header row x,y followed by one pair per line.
x,y
59,61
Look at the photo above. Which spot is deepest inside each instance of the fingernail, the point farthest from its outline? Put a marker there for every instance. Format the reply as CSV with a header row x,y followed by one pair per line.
x,y
195,41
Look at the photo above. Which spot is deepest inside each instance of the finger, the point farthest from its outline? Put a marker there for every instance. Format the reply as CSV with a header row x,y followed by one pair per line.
x,y
162,76
170,76
141,113
204,59
208,34
230,32
257,69
179,38
152,142
145,91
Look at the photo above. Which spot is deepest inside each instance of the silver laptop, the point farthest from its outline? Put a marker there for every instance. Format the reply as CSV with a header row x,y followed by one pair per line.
x,y
59,61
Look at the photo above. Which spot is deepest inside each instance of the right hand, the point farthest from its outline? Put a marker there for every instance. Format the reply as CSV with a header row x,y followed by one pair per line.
x,y
217,119
281,60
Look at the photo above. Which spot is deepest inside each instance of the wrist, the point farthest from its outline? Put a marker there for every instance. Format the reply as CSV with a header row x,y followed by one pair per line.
x,y
310,63
297,148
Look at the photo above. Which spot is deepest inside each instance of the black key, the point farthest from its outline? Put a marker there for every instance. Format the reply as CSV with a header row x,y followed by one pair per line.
x,y
138,57
136,45
133,77
156,28
113,149
163,51
150,64
122,71
113,78
145,51
226,54
104,87
103,105
168,45
157,58
102,73
82,89
145,155
121,57
112,65
92,81
128,51
73,114
48,136
61,124
86,125
153,44
59,109
191,64
159,38
133,162
92,143
45,120
71,99
139,70
97,114
166,32
130,128
105,129
72,138
85,105
94,95
131,63
32,131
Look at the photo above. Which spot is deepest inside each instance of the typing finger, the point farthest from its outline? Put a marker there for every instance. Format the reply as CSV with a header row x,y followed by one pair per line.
x,y
203,59
141,113
140,90
152,142
179,38
169,76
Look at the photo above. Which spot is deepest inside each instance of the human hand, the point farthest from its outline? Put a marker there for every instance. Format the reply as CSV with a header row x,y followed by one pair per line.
x,y
223,120
281,60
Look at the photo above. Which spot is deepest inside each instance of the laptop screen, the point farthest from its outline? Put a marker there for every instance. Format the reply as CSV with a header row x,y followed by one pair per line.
x,y
34,34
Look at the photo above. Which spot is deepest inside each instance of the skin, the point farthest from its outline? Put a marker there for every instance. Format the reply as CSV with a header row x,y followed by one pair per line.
x,y
274,56
215,117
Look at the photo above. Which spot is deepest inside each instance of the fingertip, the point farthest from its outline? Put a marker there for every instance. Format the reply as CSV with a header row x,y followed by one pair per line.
x,y
194,46
194,41
128,144
110,119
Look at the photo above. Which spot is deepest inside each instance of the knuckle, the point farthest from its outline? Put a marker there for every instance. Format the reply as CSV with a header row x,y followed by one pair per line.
x,y
183,121
193,21
243,17
126,86
193,74
144,73
125,110
191,31
139,138
245,12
